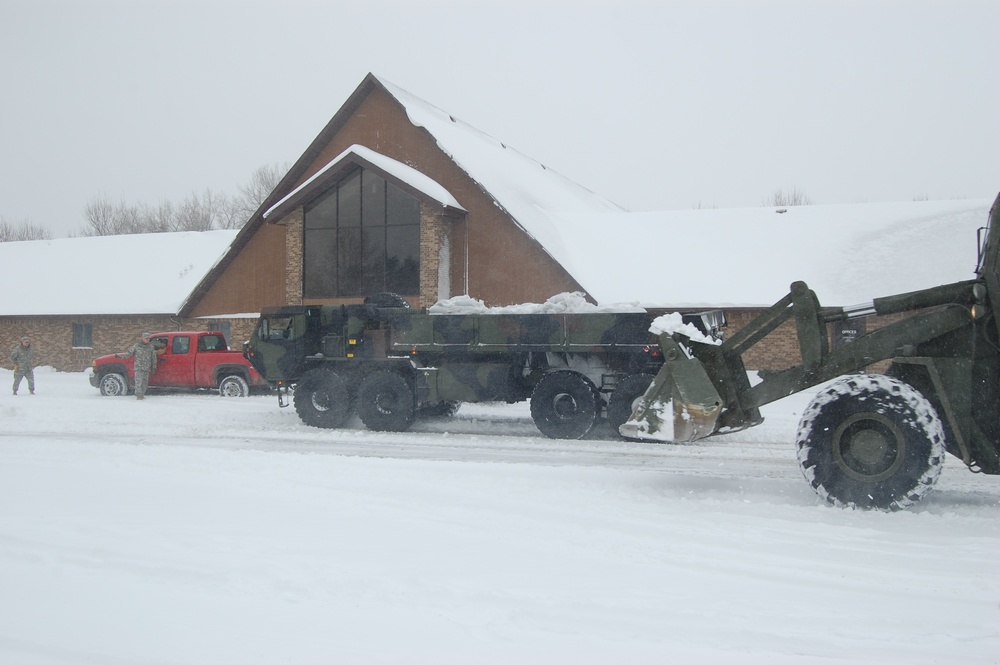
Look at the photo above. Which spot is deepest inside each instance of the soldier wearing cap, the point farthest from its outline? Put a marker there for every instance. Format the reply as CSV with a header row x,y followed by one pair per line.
x,y
145,363
23,358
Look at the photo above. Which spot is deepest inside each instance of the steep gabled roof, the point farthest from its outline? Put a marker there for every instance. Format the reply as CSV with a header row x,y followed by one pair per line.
x,y
151,273
525,188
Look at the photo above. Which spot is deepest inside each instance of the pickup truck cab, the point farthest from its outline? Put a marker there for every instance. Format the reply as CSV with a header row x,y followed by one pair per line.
x,y
192,359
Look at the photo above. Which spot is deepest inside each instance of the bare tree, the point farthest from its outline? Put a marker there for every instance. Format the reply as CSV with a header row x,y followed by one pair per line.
x,y
198,212
159,219
262,182
782,198
106,218
24,230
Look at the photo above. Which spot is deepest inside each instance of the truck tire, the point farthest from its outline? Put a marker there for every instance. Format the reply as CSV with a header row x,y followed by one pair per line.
x,y
322,399
872,442
565,405
624,398
113,384
385,402
233,385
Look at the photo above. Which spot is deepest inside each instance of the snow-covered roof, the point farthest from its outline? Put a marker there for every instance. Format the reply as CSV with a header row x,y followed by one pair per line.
x,y
394,168
749,257
525,188
152,273
738,257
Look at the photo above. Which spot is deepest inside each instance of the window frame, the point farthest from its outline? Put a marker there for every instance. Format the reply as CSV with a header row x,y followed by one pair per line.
x,y
82,332
353,260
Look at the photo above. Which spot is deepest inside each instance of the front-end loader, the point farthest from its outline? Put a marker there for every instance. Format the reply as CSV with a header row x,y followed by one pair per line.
x,y
866,440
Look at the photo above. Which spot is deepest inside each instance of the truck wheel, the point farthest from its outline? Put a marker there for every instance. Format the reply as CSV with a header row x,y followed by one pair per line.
x,y
234,385
565,405
113,385
872,442
624,398
385,402
322,399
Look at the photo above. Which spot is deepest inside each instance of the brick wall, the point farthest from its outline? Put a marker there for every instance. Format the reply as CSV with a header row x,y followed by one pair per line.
x,y
434,255
294,236
52,336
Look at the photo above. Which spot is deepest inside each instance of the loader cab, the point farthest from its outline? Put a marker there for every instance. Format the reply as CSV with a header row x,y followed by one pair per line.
x,y
988,267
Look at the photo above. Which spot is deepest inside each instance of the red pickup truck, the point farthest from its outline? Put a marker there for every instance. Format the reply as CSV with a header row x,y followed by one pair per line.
x,y
185,359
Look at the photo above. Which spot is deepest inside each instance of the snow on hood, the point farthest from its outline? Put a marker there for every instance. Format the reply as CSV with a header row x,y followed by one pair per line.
x,y
673,323
151,273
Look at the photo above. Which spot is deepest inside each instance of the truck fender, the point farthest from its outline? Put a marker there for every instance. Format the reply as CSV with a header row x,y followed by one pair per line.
x,y
222,371
115,368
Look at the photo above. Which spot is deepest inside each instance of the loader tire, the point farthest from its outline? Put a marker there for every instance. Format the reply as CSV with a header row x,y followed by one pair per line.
x,y
870,441
386,402
323,399
565,405
625,397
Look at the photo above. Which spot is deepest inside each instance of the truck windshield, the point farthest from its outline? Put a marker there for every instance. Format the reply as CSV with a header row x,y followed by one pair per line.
x,y
984,233
276,328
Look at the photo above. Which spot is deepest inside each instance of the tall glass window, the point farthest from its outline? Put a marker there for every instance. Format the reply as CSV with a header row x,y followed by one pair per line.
x,y
362,236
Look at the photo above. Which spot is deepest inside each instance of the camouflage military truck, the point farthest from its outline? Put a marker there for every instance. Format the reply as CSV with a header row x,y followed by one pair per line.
x,y
390,364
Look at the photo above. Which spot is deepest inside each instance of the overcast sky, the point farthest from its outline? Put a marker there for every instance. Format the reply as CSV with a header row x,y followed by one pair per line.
x,y
655,105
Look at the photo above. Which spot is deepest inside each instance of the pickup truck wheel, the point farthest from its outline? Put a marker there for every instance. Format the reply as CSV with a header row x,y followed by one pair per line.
x,y
234,386
385,402
565,405
113,384
871,442
625,397
322,399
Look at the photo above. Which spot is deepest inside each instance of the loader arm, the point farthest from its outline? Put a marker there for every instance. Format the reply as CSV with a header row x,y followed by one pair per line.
x,y
731,403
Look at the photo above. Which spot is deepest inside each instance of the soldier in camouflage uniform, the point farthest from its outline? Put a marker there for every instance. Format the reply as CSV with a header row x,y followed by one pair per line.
x,y
145,363
23,357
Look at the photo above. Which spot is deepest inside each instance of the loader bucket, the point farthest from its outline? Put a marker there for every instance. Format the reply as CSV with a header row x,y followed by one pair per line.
x,y
681,404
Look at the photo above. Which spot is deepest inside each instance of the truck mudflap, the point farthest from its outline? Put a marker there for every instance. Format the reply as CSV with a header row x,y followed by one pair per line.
x,y
680,405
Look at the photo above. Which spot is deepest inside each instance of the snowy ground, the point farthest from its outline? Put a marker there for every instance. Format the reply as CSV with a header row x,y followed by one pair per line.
x,y
192,529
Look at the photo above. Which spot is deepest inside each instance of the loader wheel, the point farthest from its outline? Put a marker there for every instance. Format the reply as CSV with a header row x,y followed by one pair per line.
x,y
565,405
624,398
323,399
872,442
385,402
